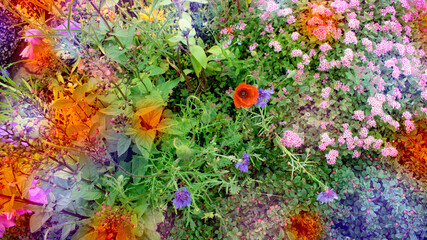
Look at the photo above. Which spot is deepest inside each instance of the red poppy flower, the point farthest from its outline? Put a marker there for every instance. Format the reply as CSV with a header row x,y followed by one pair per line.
x,y
245,95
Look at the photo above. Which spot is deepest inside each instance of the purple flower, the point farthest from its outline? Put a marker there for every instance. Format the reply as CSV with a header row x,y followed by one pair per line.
x,y
263,97
327,196
5,222
7,134
243,166
182,198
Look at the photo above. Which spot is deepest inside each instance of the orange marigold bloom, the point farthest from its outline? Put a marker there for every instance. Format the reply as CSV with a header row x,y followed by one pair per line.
x,y
245,95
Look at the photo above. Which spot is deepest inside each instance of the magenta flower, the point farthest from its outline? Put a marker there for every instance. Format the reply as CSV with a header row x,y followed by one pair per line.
x,y
28,51
5,222
327,196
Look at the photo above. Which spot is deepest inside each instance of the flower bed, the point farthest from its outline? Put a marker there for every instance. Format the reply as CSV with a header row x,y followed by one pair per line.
x,y
216,120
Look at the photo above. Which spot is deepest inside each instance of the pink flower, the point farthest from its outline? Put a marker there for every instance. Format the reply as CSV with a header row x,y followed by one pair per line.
x,y
296,53
291,139
377,144
325,92
291,19
340,6
284,12
253,46
324,104
407,115
28,52
271,6
358,115
331,156
363,132
325,47
356,154
6,221
389,151
295,36
353,23
409,126
350,37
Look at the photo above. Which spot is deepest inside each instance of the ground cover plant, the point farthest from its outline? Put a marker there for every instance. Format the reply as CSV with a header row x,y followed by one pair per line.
x,y
210,119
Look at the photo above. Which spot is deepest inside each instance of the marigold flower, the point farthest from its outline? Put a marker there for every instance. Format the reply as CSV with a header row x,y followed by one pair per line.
x,y
157,15
245,95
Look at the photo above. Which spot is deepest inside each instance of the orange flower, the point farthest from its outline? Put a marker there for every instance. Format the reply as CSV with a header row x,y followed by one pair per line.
x,y
245,95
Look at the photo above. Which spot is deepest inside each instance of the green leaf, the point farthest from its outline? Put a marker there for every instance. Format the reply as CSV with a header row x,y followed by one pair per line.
x,y
184,24
155,70
139,166
112,109
66,230
92,195
123,145
115,53
166,87
125,36
291,74
199,54
141,207
196,65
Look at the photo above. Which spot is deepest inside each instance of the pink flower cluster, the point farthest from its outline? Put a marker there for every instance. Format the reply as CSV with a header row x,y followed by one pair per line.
x,y
326,141
295,36
410,126
340,6
296,53
291,139
253,46
350,37
332,156
284,12
368,44
325,92
271,6
325,47
276,45
358,115
354,23
389,151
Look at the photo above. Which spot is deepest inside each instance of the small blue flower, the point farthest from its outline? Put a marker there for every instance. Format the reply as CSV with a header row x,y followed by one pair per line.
x,y
5,74
182,198
243,166
327,196
263,97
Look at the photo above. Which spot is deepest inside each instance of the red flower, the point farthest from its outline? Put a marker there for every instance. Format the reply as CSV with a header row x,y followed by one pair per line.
x,y
245,95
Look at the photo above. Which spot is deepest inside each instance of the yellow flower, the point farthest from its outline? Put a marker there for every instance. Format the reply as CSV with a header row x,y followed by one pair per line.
x,y
157,15
150,119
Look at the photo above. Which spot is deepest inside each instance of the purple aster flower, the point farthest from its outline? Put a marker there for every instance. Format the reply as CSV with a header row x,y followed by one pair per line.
x,y
263,97
243,166
182,198
74,27
327,196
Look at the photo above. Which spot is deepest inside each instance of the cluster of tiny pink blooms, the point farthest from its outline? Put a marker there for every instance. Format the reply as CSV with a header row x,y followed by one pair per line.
x,y
276,45
363,132
253,46
326,141
424,94
368,44
389,151
332,156
296,53
324,104
295,36
356,154
291,139
354,23
350,37
377,144
340,6
358,115
271,6
325,92
284,12
325,47
407,115
409,126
